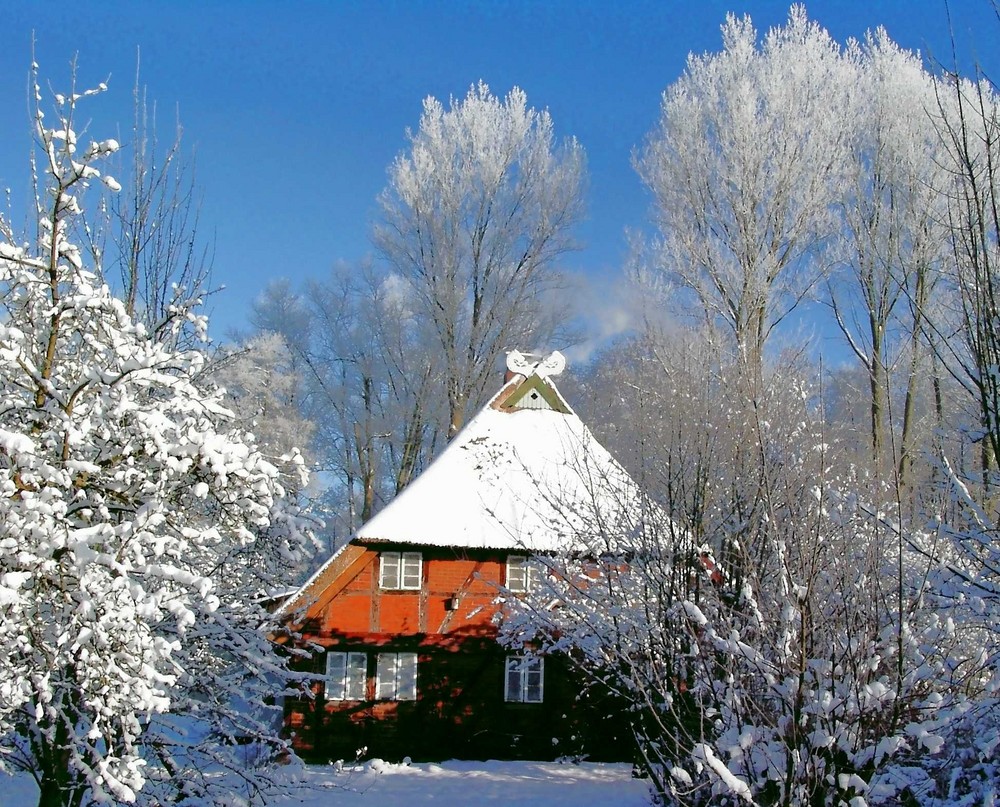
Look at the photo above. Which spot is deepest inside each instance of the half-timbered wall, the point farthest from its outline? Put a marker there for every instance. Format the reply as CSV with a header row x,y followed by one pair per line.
x,y
456,596
460,707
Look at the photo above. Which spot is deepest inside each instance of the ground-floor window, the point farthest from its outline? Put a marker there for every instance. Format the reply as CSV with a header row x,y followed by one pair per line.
x,y
396,677
346,676
524,680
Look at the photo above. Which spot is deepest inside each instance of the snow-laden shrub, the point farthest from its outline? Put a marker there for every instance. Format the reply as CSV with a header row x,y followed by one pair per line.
x,y
138,526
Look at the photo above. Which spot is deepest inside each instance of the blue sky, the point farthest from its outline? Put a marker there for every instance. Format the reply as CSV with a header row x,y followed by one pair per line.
x,y
296,109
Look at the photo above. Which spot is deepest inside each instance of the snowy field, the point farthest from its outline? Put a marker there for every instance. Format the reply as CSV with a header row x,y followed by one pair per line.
x,y
381,784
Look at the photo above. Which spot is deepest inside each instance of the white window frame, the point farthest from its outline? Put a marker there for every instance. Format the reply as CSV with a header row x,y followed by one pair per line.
x,y
523,574
401,571
396,677
346,676
524,679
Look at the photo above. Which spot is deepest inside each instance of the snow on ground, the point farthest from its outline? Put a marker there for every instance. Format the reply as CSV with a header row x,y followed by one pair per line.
x,y
453,783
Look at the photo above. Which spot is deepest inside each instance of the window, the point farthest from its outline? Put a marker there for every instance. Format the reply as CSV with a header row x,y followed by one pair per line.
x,y
523,683
400,570
522,573
396,677
346,676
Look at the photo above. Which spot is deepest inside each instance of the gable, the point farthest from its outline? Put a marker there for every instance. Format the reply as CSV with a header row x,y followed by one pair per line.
x,y
328,581
455,594
537,394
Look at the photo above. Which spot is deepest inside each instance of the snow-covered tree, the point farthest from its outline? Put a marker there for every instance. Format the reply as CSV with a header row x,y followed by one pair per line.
x,y
806,625
965,333
151,251
476,214
743,167
968,121
893,232
370,381
805,664
264,388
392,354
136,523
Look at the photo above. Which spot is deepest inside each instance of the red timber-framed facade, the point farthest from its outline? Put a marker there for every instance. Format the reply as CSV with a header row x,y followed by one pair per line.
x,y
406,613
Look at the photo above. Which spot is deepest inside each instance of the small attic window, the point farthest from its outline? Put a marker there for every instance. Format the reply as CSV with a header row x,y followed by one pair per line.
x,y
400,570
523,574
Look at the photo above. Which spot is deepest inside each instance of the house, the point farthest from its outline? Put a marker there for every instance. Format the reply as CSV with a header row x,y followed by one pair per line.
x,y
406,612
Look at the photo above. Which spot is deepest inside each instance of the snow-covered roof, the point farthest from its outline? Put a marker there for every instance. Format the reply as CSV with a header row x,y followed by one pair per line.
x,y
524,473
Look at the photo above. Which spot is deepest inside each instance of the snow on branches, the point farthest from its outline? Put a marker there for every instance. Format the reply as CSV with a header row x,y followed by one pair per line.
x,y
132,513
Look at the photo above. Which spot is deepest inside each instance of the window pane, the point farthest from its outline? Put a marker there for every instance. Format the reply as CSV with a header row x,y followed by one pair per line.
x,y
411,570
512,687
534,575
533,681
390,570
357,676
385,677
406,676
335,674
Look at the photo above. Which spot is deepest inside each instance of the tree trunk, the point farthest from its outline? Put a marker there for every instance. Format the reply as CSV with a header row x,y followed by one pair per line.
x,y
57,787
456,414
877,382
906,439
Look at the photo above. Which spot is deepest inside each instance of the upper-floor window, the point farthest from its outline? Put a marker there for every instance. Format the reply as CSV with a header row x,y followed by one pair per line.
x,y
400,570
522,573
396,677
346,676
524,680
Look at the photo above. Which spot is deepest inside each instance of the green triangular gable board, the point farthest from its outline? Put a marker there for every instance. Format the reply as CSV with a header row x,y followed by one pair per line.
x,y
535,393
